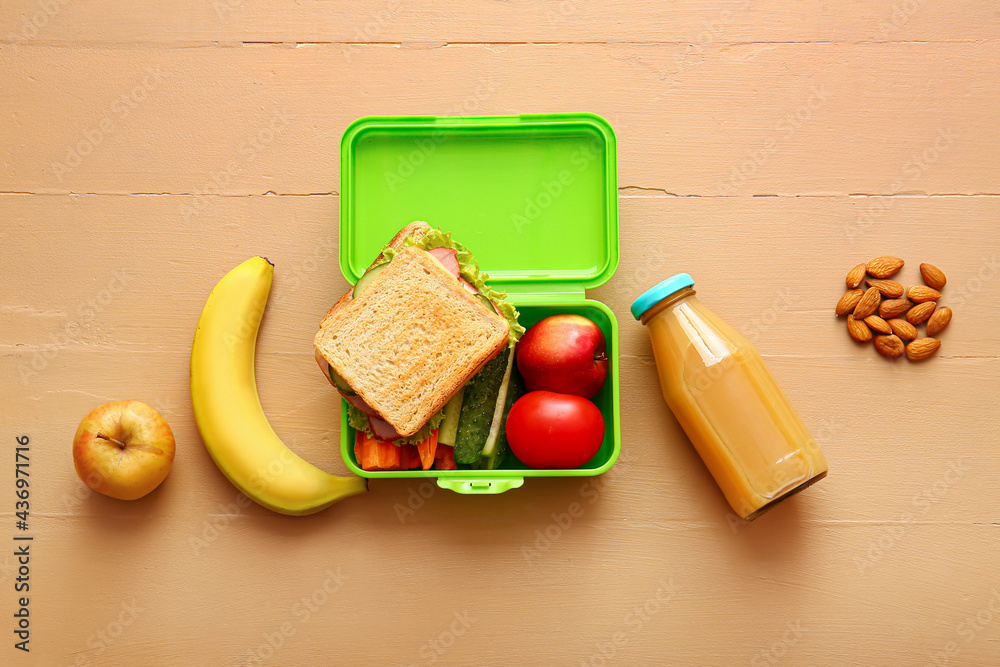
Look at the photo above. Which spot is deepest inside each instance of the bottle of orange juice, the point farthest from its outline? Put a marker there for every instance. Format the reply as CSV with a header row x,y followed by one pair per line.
x,y
738,418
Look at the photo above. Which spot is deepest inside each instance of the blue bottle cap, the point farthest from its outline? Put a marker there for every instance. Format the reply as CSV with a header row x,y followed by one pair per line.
x,y
654,295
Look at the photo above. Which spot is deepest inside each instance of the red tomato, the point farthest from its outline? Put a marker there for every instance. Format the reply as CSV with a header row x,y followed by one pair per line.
x,y
548,430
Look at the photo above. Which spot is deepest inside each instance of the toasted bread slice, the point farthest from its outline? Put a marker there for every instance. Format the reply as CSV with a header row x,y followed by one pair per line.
x,y
411,340
416,229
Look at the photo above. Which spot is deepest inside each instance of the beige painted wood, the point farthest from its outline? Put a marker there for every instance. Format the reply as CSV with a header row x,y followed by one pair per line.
x,y
698,24
882,563
746,119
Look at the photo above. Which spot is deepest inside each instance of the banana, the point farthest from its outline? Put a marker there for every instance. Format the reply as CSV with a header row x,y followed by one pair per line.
x,y
227,408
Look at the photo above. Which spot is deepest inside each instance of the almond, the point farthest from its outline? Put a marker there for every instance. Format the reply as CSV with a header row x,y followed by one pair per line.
x,y
876,323
890,346
903,329
938,321
883,267
933,276
922,348
859,330
920,312
868,303
890,289
921,293
855,276
849,301
893,308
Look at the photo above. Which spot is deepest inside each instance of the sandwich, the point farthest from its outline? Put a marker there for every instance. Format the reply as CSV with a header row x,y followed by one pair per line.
x,y
404,344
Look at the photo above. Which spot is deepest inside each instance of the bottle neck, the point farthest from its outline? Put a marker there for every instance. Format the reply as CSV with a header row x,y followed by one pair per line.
x,y
666,302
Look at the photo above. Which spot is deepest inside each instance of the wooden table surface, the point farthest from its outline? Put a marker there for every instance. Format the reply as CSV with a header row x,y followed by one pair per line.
x,y
765,147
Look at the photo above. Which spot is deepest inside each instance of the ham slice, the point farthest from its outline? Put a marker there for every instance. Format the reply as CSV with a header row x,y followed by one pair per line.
x,y
448,258
382,428
360,404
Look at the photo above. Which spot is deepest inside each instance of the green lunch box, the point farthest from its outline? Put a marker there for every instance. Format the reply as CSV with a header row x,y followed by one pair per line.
x,y
534,197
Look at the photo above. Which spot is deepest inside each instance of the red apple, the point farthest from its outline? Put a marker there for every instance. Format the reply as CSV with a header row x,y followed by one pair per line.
x,y
563,353
123,449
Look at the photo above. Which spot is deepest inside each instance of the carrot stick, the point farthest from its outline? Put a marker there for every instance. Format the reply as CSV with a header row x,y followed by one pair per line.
x,y
414,457
427,447
378,454
445,458
387,454
408,457
359,447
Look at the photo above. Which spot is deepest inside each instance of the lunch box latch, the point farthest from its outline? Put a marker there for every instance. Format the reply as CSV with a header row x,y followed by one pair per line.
x,y
480,485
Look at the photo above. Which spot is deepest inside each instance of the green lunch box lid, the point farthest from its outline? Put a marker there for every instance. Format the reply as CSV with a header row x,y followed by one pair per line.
x,y
534,197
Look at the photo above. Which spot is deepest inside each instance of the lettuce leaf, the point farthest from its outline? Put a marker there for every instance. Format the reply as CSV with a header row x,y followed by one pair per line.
x,y
359,422
469,269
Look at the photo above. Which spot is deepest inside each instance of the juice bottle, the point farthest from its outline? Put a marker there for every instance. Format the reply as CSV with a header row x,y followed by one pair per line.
x,y
735,414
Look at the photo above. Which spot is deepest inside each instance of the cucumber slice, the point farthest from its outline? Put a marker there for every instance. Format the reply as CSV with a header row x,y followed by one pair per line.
x,y
339,381
364,280
478,406
486,301
516,391
452,411
495,449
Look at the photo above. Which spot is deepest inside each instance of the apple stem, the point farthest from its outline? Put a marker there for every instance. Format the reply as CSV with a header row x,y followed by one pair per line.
x,y
117,442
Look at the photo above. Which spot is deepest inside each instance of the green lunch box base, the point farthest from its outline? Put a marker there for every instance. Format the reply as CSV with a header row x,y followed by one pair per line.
x,y
467,480
534,197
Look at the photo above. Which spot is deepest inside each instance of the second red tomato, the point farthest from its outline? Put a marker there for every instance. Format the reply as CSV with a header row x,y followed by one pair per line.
x,y
547,430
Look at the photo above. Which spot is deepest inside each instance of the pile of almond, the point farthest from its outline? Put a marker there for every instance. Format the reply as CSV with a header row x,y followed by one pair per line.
x,y
900,310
